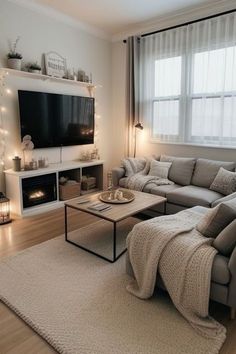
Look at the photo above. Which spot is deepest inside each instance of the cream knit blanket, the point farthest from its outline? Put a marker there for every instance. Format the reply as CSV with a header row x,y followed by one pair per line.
x,y
183,258
138,181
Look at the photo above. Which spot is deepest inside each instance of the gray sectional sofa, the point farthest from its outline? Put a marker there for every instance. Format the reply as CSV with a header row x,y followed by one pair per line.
x,y
192,179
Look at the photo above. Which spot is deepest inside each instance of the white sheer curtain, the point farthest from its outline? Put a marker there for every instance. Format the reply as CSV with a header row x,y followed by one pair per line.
x,y
188,82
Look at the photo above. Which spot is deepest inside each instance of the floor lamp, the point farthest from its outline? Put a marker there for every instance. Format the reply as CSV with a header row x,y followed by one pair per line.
x,y
137,126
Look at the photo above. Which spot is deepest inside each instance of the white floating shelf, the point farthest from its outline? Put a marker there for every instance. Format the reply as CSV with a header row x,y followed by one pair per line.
x,y
43,77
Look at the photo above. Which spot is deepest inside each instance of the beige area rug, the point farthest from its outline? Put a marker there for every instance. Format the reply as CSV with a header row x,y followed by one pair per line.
x,y
79,304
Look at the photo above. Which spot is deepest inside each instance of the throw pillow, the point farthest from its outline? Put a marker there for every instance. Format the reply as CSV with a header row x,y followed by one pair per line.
x,y
133,165
159,169
225,242
181,169
224,182
217,219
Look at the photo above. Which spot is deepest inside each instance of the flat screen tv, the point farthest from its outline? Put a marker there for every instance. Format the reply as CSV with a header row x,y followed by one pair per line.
x,y
55,120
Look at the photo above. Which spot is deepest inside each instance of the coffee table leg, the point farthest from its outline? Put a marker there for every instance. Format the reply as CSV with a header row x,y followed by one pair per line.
x,y
114,241
66,222
114,258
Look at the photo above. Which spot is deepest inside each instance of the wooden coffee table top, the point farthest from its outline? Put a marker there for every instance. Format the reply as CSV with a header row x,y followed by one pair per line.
x,y
117,212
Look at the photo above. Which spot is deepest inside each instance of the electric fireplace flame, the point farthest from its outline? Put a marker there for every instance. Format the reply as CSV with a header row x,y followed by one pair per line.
x,y
36,195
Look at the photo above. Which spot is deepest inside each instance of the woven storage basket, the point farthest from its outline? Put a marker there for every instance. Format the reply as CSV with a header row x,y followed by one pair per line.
x,y
69,191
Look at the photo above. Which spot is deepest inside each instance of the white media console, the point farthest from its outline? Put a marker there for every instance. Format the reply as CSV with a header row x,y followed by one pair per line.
x,y
46,182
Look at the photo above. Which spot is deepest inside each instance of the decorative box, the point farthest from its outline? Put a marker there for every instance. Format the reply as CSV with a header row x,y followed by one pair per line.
x,y
88,183
69,191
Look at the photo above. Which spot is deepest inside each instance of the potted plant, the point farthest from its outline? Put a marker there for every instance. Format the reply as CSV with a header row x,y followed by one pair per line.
x,y
14,58
34,68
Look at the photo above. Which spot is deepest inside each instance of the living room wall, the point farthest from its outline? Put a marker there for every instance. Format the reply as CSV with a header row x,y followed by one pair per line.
x,y
40,33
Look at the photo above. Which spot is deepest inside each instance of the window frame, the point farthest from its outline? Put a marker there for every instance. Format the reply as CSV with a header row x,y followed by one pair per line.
x,y
185,99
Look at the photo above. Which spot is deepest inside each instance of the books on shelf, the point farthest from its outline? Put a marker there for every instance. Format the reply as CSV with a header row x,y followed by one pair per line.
x,y
99,207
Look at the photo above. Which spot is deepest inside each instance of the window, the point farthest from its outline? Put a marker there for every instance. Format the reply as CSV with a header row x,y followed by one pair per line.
x,y
210,104
188,86
167,96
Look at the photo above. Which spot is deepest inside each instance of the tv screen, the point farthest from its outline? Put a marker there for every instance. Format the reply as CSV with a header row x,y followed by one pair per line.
x,y
55,120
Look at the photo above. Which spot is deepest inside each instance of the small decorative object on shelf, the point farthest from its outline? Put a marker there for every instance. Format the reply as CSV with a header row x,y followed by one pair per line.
x,y
34,68
16,164
27,147
14,58
55,65
88,183
85,156
42,162
81,75
4,209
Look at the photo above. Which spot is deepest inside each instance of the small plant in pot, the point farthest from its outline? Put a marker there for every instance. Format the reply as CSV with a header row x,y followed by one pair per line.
x,y
34,68
14,58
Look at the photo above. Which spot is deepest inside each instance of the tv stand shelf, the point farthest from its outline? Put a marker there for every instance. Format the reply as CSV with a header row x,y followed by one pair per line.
x,y
15,181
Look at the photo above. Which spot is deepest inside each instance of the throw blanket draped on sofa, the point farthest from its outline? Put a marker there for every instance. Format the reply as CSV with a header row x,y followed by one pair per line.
x,y
139,181
183,258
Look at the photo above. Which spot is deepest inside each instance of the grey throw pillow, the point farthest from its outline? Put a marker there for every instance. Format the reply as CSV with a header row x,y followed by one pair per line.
x,y
217,219
224,182
181,169
133,165
159,169
225,242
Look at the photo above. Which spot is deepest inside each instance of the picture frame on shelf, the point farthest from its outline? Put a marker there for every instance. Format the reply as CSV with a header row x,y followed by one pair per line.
x,y
55,65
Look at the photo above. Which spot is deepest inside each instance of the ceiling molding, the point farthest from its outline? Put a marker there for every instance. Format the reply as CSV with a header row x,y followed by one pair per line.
x,y
57,15
175,18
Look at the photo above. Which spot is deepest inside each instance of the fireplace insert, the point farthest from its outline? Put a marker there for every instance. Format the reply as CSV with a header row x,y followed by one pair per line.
x,y
39,190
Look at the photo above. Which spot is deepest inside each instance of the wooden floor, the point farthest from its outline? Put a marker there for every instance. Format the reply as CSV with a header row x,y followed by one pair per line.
x,y
18,338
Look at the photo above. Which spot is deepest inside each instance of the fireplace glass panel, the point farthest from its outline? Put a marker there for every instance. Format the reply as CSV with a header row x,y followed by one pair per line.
x,y
39,190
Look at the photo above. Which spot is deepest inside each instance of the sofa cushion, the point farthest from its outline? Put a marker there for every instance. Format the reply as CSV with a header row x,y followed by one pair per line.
x,y
190,196
223,199
181,169
159,169
206,170
220,270
133,165
163,190
224,182
200,209
217,219
122,182
225,242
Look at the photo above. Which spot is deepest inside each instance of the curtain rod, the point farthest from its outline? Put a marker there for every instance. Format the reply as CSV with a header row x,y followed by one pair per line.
x,y
186,23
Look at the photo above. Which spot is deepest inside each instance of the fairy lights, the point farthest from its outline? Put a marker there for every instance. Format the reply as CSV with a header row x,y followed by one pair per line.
x,y
3,131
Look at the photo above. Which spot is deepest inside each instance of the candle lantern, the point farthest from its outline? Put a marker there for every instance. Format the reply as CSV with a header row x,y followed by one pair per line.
x,y
4,209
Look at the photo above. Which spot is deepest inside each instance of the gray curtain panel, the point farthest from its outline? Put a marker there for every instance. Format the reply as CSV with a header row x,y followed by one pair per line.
x,y
132,93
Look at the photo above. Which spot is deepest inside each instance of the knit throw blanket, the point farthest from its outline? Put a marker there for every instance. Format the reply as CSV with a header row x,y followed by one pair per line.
x,y
139,181
183,257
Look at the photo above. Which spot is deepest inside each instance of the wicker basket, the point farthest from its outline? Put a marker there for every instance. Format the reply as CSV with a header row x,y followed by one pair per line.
x,y
69,191
88,183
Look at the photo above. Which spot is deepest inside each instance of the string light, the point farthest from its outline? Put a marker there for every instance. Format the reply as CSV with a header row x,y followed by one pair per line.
x,y
3,131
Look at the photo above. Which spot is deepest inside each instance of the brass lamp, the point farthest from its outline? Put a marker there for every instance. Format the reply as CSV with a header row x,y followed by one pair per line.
x,y
4,209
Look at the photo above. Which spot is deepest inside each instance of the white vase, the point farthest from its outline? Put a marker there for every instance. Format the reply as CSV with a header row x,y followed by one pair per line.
x,y
14,63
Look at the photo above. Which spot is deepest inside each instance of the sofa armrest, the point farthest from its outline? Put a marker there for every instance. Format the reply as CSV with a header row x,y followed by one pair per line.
x,y
223,199
117,174
232,285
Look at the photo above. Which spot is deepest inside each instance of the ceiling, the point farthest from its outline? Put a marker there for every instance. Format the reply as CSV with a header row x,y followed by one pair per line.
x,y
115,16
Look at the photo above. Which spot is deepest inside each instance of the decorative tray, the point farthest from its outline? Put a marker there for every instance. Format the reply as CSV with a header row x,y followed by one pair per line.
x,y
117,197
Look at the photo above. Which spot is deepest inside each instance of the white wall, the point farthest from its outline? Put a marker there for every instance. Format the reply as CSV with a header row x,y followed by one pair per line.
x,y
144,146
40,34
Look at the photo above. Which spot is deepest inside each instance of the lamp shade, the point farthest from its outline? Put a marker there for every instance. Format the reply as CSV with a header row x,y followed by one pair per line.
x,y
139,126
4,209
